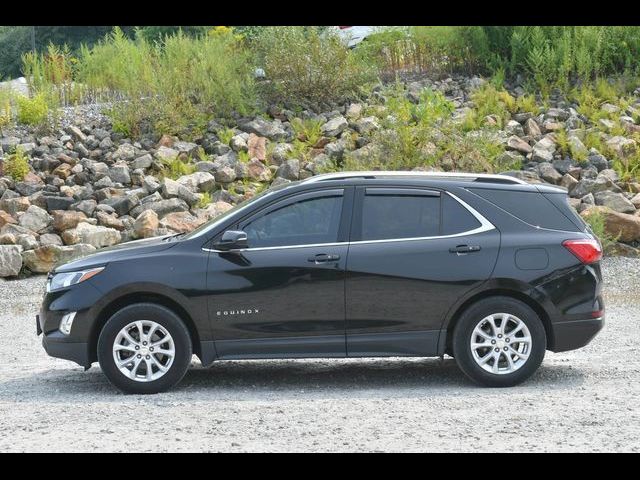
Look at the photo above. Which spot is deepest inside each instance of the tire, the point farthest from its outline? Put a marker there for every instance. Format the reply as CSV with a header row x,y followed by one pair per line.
x,y
169,369
483,314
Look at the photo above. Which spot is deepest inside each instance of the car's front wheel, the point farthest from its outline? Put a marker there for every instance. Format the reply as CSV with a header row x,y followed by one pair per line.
x,y
499,342
144,348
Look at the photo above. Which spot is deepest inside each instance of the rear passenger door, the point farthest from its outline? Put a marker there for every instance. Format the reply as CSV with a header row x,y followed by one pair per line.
x,y
413,253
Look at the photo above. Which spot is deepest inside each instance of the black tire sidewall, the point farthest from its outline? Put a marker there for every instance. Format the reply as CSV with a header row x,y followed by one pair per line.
x,y
161,315
469,320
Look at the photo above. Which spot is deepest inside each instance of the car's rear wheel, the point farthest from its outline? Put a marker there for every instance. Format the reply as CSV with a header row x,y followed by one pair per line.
x,y
499,342
144,348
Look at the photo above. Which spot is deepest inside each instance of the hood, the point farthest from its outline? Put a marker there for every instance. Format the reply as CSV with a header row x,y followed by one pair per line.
x,y
121,251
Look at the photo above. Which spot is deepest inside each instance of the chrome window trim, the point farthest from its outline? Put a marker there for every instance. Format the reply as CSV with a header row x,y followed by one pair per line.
x,y
485,226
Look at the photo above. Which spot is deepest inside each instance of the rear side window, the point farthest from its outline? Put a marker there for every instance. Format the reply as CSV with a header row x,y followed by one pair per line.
x,y
388,215
530,207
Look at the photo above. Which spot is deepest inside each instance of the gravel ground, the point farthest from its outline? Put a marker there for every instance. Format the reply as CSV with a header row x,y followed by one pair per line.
x,y
585,400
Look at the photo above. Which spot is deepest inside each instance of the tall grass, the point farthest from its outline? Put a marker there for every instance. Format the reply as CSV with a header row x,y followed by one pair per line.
x,y
172,84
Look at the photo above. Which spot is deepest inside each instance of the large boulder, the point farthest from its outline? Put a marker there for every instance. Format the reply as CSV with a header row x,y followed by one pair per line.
x,y
257,147
67,219
289,170
198,181
181,222
624,147
46,258
146,224
624,227
272,130
615,201
335,126
35,219
97,236
164,207
519,145
173,189
10,260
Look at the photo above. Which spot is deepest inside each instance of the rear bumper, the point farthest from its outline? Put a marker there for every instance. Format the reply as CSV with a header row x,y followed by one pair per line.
x,y
575,333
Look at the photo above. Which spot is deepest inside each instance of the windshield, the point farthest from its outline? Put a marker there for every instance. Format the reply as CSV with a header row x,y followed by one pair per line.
x,y
204,228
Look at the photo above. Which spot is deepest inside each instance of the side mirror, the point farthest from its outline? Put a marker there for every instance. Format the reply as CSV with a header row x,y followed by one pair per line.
x,y
232,240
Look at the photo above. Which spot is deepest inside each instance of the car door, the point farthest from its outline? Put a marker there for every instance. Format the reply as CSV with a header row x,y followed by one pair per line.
x,y
284,294
414,251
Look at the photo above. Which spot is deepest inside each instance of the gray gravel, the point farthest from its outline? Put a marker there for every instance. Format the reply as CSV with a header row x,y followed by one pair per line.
x,y
587,400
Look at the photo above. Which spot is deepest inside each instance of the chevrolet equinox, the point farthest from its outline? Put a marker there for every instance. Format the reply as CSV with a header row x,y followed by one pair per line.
x,y
486,268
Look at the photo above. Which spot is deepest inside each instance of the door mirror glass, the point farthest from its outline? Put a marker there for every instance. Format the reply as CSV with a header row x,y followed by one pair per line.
x,y
232,240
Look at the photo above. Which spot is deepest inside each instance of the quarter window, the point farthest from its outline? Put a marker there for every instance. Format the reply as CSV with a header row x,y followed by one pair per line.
x,y
456,218
308,221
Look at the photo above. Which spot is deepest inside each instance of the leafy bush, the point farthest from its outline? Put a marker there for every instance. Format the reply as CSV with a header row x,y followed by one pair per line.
x,y
16,165
308,131
488,100
309,68
205,200
32,111
175,168
596,221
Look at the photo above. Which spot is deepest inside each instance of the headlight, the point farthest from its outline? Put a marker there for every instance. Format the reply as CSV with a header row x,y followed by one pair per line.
x,y
63,280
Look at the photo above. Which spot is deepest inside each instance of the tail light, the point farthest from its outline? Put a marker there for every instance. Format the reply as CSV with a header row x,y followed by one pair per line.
x,y
586,250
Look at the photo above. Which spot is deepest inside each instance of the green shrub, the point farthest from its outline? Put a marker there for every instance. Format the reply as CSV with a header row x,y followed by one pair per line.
x,y
175,168
488,100
309,68
16,165
225,135
596,221
32,111
308,131
205,200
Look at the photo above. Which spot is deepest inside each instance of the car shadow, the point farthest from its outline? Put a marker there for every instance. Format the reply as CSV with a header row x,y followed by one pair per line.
x,y
256,379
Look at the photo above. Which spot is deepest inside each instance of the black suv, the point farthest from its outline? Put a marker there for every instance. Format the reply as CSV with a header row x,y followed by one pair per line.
x,y
486,268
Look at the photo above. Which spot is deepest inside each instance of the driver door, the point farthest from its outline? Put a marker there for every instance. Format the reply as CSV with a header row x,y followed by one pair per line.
x,y
283,295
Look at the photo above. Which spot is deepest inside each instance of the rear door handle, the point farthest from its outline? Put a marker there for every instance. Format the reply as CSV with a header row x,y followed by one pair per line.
x,y
324,258
464,249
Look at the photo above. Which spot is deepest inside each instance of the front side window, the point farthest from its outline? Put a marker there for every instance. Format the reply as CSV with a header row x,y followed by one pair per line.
x,y
306,222
388,216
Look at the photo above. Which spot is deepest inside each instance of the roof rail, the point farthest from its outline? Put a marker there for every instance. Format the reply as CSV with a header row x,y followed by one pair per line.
x,y
472,177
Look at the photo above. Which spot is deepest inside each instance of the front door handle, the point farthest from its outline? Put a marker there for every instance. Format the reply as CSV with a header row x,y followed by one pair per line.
x,y
324,258
459,249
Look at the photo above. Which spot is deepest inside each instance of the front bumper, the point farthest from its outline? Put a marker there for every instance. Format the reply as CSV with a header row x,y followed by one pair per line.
x,y
575,334
56,305
61,348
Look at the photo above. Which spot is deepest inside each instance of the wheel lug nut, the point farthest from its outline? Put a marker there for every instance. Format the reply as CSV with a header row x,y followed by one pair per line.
x,y
144,343
151,349
139,356
506,340
499,336
505,349
497,349
137,347
148,357
493,342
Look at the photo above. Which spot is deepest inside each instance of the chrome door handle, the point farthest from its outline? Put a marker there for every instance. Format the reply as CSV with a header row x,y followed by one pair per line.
x,y
324,258
464,249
